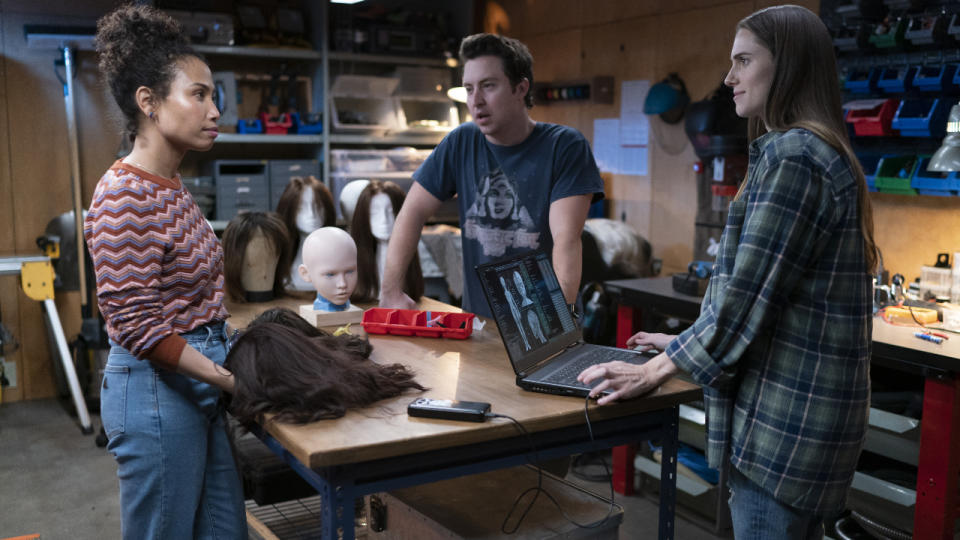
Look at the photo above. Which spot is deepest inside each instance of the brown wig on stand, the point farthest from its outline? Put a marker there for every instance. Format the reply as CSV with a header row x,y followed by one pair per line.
x,y
281,370
235,239
289,204
368,275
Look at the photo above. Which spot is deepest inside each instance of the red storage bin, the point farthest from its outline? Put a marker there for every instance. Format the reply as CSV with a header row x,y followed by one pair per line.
x,y
412,322
873,122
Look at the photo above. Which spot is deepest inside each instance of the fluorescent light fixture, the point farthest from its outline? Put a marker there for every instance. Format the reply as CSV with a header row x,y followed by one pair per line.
x,y
947,158
345,1
457,93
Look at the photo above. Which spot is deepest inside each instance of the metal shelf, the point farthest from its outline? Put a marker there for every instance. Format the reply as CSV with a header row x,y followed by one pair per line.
x,y
388,59
259,52
256,138
431,139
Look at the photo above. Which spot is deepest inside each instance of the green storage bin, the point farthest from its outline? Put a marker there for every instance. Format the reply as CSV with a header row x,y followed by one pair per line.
x,y
894,174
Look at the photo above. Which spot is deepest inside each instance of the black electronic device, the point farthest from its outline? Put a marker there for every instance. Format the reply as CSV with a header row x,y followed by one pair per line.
x,y
468,411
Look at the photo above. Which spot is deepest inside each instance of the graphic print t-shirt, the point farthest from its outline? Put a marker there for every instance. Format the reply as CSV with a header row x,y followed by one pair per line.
x,y
504,192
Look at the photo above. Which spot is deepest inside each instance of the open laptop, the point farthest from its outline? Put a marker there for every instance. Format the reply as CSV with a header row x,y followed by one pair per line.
x,y
543,340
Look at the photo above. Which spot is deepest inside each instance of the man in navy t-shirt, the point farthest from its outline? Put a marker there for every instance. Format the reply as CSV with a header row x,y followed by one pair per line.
x,y
520,184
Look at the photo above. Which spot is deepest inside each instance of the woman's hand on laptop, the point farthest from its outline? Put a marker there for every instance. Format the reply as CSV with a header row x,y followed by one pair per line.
x,y
643,341
625,380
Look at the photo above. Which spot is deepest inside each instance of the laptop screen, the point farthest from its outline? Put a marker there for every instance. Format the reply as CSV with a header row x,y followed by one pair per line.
x,y
528,305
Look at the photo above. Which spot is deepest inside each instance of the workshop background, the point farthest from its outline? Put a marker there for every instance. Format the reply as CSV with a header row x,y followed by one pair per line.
x,y
570,40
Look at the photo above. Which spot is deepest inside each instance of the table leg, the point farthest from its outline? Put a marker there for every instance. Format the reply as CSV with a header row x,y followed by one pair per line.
x,y
337,509
668,474
628,319
939,463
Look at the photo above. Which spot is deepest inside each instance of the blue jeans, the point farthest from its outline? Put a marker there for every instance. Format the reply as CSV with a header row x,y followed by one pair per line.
x,y
178,478
757,515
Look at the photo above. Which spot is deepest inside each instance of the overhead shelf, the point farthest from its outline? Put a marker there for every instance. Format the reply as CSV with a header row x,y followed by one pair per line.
x,y
387,59
431,139
258,138
262,52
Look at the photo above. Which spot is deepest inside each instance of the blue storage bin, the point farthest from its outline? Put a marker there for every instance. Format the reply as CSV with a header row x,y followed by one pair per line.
x,y
926,182
249,125
896,79
924,117
937,78
869,163
861,81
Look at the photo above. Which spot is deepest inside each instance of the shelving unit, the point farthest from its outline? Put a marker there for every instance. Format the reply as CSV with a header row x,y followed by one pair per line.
x,y
319,67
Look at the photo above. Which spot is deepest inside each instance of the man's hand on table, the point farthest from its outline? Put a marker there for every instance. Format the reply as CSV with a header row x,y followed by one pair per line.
x,y
396,300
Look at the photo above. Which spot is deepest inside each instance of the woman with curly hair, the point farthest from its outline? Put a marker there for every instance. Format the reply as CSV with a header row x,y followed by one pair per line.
x,y
160,288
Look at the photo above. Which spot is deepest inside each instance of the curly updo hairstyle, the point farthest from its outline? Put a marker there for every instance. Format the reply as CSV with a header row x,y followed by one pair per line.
x,y
139,46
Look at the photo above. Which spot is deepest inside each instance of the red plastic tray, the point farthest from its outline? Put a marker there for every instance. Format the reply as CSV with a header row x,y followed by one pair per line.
x,y
412,322
874,122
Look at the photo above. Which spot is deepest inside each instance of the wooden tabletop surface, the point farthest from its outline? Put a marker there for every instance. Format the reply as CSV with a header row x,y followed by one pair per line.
x,y
474,369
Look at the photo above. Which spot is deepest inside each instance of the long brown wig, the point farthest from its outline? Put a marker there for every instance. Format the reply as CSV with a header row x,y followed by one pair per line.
x,y
805,92
289,204
235,239
368,274
299,377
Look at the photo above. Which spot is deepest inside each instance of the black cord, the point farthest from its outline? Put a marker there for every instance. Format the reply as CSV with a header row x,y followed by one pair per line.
x,y
538,489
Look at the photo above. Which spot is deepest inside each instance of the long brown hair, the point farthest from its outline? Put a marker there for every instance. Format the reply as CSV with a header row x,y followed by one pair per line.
x,y
805,92
368,275
300,376
235,239
289,203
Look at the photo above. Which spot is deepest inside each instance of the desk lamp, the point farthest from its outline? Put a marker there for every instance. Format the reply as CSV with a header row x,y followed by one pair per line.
x,y
947,158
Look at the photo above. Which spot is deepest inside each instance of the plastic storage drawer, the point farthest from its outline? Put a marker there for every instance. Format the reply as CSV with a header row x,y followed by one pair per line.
x,y
926,182
283,170
896,79
875,121
241,186
894,174
938,78
869,164
924,117
861,80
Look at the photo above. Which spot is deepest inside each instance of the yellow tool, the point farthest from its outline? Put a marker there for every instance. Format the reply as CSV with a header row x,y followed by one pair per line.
x,y
903,315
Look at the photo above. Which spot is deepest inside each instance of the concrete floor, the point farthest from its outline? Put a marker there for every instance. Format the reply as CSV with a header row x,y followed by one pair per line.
x,y
55,482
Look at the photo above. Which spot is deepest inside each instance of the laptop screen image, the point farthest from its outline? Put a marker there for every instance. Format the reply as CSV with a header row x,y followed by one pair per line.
x,y
528,305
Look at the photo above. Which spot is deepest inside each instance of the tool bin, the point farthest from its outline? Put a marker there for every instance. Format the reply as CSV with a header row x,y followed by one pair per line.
x,y
935,78
869,163
926,182
861,80
889,34
925,117
894,174
875,121
926,29
412,322
896,79
364,104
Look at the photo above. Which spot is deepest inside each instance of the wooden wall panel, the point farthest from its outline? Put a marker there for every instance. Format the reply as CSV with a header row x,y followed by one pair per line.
x,y
910,231
35,174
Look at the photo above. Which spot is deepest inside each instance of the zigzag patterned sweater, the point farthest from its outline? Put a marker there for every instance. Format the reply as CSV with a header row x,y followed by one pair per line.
x,y
159,265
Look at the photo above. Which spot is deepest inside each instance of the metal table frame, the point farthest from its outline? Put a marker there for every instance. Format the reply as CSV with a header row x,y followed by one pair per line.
x,y
339,485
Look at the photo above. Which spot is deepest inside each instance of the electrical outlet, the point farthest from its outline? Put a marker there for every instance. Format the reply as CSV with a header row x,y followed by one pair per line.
x,y
10,372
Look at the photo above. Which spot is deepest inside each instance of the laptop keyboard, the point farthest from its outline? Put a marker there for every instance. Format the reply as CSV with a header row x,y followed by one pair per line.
x,y
568,373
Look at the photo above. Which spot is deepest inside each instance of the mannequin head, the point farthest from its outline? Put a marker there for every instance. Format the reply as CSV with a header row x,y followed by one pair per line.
x,y
330,264
305,206
348,197
255,244
368,284
382,217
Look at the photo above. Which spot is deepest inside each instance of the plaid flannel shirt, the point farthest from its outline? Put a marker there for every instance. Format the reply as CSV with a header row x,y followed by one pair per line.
x,y
782,344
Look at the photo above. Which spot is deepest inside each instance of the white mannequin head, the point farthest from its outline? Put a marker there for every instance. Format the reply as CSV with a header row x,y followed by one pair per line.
x,y
381,217
309,215
348,197
330,264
